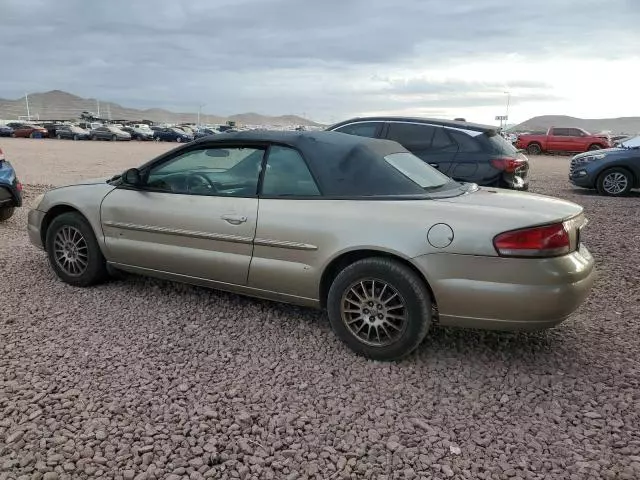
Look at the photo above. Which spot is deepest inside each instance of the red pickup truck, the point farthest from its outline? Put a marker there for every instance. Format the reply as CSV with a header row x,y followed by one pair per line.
x,y
568,140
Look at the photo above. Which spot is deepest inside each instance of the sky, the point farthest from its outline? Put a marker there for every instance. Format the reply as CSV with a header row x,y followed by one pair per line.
x,y
329,60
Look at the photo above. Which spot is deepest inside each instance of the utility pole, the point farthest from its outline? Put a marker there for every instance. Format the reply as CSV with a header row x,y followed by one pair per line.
x,y
26,99
98,105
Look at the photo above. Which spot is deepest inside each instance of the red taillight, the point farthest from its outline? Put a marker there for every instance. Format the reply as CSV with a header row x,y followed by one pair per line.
x,y
19,186
548,241
508,164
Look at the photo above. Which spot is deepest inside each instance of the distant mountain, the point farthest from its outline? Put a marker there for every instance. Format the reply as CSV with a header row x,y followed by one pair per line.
x,y
59,105
623,125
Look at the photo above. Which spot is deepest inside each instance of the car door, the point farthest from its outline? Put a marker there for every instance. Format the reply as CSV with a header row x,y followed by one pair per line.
x,y
418,139
558,140
194,215
287,234
470,156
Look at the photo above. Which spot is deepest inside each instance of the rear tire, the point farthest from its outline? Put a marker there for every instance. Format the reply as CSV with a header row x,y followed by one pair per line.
x,y
114,138
380,308
179,140
93,137
615,182
534,149
595,146
59,137
6,213
74,226
75,138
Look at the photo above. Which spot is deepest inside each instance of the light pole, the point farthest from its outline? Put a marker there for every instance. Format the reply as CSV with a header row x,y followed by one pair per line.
x,y
26,99
199,112
506,116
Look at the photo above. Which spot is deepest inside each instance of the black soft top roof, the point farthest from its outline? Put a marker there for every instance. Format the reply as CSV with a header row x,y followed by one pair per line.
x,y
343,165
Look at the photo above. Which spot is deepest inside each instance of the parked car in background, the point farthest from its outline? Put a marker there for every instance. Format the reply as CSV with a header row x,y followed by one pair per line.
x,y
72,132
466,152
10,189
109,133
6,131
563,140
89,125
172,134
15,125
138,134
187,129
613,172
52,128
144,127
211,213
203,132
29,130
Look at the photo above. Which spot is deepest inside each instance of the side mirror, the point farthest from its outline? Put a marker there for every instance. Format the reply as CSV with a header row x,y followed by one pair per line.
x,y
132,177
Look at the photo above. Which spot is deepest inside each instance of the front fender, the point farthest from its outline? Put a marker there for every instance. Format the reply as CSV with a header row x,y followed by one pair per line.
x,y
86,199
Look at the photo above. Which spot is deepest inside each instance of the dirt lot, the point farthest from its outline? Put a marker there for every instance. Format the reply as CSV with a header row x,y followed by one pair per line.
x,y
145,379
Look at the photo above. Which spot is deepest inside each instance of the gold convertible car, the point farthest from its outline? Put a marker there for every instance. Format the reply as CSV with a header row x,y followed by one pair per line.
x,y
360,227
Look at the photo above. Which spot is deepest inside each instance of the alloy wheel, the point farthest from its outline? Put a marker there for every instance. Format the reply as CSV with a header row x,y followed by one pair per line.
x,y
71,252
374,312
615,183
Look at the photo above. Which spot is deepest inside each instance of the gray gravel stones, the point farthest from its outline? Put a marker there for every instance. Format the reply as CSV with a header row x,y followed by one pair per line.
x,y
91,381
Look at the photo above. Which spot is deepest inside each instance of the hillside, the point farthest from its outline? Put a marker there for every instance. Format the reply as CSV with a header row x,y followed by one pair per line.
x,y
623,125
60,105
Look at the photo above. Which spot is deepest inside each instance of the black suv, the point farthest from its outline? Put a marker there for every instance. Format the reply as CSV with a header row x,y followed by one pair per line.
x,y
466,152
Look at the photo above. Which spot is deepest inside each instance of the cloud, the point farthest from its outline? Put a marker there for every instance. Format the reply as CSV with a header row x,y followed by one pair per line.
x,y
318,57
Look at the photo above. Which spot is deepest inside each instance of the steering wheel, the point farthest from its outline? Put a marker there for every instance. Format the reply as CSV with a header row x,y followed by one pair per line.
x,y
195,180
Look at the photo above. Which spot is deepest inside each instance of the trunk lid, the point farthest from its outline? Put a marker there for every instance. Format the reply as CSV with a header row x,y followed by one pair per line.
x,y
521,209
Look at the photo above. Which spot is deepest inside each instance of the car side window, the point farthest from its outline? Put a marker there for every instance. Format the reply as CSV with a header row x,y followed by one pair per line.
x,y
561,132
411,136
442,142
466,143
287,175
364,129
214,171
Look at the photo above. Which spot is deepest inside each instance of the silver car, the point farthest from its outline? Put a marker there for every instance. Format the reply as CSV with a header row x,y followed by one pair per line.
x,y
360,227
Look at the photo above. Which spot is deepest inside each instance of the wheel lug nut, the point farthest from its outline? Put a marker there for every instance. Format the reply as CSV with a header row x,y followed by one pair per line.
x,y
380,316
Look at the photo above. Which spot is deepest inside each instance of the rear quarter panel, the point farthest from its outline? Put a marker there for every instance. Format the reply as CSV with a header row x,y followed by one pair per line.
x,y
297,239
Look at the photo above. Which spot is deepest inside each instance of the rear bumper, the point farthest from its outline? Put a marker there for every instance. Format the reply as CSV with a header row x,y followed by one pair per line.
x,y
499,293
10,196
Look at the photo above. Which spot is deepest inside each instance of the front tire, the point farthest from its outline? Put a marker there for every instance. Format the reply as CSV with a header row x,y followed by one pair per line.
x,y
73,251
114,138
6,213
59,137
615,182
75,138
534,149
179,140
380,308
595,146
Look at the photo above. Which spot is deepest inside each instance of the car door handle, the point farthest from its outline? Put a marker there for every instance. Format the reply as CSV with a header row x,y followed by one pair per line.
x,y
434,165
234,219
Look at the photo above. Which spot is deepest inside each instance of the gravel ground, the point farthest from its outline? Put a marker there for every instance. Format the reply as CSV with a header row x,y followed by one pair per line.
x,y
143,379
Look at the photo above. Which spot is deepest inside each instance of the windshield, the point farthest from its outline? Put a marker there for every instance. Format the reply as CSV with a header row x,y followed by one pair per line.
x,y
417,171
632,142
